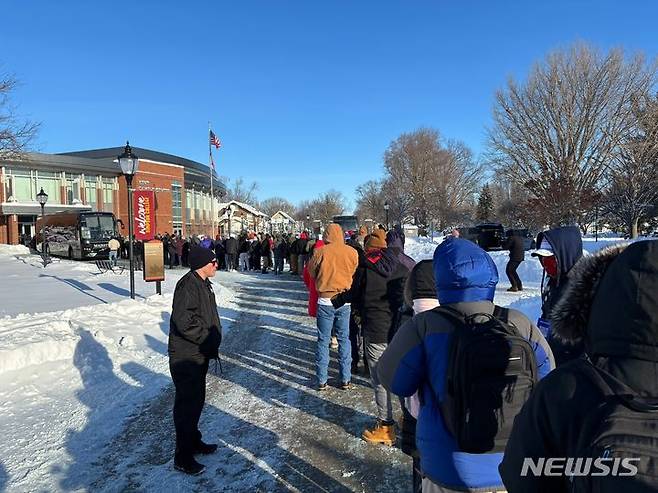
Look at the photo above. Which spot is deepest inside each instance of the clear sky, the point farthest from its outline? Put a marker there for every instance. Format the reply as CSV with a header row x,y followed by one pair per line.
x,y
305,95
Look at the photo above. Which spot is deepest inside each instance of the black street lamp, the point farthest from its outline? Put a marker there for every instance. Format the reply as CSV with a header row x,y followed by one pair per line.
x,y
386,207
129,163
42,198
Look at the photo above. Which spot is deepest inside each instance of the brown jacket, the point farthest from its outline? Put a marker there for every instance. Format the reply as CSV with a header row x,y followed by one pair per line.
x,y
333,265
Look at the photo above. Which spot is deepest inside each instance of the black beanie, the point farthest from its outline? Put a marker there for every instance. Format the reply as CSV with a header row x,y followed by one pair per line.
x,y
420,283
200,256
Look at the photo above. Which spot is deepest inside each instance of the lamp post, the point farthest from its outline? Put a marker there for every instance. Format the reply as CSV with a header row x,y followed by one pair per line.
x,y
42,198
386,207
129,163
308,220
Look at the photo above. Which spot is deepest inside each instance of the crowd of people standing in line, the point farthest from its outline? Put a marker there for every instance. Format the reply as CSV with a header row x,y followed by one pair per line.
x,y
413,323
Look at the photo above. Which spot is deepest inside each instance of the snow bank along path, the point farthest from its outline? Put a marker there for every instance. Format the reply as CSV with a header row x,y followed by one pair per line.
x,y
69,378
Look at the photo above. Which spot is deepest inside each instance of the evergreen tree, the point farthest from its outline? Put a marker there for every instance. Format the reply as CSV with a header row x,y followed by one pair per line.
x,y
485,211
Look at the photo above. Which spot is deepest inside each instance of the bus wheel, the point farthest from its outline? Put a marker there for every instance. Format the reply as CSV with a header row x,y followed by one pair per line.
x,y
70,253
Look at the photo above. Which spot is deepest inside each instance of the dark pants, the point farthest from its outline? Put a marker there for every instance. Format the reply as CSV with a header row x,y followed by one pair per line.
x,y
278,265
355,340
190,382
230,261
514,278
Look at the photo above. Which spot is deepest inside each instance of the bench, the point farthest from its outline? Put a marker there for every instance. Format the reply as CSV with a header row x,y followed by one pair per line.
x,y
106,265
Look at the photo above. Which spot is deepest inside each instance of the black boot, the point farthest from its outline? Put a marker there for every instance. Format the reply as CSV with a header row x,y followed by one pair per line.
x,y
188,466
205,448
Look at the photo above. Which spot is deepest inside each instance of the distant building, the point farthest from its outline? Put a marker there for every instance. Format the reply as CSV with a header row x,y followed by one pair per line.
x,y
91,180
282,222
237,217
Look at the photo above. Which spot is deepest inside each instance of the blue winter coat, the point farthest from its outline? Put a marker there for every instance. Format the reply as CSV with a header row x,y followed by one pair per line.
x,y
417,357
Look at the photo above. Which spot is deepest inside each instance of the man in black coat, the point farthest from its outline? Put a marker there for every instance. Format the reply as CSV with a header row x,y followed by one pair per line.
x,y
378,298
516,256
194,338
231,253
610,305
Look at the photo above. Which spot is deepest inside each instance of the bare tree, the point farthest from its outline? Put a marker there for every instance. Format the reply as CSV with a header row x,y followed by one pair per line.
x,y
429,179
16,134
370,201
633,187
274,204
328,205
242,192
556,134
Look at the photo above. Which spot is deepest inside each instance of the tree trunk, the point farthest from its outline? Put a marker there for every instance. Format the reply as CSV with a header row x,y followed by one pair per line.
x,y
633,231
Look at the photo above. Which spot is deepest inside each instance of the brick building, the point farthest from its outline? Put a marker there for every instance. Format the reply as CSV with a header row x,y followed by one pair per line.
x,y
91,180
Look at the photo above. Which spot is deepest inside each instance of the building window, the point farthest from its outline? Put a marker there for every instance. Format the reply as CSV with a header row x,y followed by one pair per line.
x,y
90,193
50,182
108,194
72,189
22,185
189,206
176,205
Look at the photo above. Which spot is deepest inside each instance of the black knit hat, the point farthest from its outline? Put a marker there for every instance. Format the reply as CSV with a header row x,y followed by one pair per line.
x,y
420,283
200,256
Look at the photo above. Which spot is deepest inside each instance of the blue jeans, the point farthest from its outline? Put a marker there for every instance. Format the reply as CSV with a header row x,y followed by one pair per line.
x,y
329,318
113,257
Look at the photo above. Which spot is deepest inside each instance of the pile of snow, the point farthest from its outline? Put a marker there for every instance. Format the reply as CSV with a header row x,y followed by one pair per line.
x,y
13,249
70,377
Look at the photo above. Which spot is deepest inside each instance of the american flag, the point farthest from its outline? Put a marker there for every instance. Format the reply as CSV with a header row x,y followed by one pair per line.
x,y
212,161
214,140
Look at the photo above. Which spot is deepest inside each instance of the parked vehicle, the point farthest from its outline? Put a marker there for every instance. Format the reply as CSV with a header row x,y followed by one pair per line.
x,y
77,235
347,223
491,236
528,239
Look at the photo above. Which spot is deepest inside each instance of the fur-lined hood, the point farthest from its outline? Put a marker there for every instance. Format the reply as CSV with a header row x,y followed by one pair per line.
x,y
611,302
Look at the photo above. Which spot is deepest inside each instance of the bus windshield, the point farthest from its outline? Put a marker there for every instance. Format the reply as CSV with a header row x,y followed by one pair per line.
x,y
97,227
347,223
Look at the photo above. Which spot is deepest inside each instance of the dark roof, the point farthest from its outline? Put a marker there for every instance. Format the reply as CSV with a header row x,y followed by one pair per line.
x,y
195,172
66,163
113,152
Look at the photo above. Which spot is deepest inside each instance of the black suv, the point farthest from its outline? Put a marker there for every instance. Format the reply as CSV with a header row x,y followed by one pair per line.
x,y
491,236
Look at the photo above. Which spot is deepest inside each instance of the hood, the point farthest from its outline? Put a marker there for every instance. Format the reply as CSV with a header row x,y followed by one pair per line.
x,y
612,302
395,241
567,246
463,272
333,233
420,283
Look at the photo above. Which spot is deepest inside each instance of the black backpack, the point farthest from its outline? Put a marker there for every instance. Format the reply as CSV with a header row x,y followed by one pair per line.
x,y
623,431
491,371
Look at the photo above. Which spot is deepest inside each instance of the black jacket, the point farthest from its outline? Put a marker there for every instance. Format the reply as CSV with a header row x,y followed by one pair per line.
x,y
379,299
516,248
611,305
195,331
232,246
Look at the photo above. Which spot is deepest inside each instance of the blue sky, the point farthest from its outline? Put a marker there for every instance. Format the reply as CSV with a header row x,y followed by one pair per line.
x,y
305,95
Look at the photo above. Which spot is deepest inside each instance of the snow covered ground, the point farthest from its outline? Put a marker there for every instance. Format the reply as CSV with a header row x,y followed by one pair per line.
x,y
85,392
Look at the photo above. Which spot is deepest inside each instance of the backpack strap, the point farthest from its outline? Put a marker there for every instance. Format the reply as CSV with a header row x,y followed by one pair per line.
x,y
613,387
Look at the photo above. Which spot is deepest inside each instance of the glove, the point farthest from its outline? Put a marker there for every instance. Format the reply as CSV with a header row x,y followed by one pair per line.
x,y
340,299
544,327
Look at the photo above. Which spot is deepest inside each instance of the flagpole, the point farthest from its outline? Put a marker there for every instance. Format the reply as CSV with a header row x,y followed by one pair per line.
x,y
212,191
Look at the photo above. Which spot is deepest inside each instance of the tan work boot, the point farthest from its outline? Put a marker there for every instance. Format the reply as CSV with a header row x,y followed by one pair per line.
x,y
384,434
